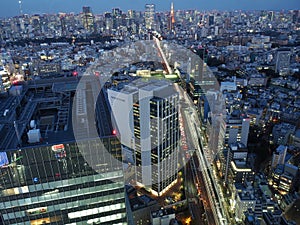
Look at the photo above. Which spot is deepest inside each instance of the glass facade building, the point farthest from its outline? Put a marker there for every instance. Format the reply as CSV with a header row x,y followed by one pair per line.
x,y
57,185
164,140
146,113
71,172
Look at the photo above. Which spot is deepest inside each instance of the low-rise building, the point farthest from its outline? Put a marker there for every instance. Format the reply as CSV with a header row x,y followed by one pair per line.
x,y
282,132
244,201
162,216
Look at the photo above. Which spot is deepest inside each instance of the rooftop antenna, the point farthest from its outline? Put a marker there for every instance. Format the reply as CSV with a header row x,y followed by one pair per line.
x,y
20,5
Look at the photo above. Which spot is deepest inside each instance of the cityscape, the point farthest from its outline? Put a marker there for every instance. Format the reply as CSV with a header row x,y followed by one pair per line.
x,y
150,117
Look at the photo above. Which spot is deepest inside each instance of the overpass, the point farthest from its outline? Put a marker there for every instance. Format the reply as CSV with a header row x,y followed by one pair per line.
x,y
162,54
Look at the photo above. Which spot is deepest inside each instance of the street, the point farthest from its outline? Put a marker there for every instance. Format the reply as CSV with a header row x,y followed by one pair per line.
x,y
200,174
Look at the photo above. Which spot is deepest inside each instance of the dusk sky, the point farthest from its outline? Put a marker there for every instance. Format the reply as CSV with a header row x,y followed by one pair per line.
x,y
11,7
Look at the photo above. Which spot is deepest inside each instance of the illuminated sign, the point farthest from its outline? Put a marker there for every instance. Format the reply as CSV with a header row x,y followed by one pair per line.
x,y
36,211
58,148
59,151
3,159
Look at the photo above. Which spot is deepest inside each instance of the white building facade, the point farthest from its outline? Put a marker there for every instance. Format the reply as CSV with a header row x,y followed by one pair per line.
x,y
146,115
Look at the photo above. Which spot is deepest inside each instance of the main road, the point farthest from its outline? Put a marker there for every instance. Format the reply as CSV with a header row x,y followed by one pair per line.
x,y
200,168
201,171
196,207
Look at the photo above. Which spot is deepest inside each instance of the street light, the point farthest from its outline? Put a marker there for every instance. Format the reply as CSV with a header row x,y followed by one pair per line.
x,y
188,220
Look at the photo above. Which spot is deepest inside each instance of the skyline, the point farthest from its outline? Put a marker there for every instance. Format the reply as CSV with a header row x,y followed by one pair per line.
x,y
149,116
12,8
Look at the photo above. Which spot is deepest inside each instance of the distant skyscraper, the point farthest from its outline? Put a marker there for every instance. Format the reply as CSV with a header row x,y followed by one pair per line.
x,y
227,23
36,23
295,16
283,61
271,15
211,20
131,14
62,18
149,16
109,21
146,114
116,12
88,19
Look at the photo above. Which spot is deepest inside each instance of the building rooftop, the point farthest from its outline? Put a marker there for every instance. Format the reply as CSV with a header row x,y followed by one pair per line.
x,y
51,105
281,149
160,88
57,154
297,133
141,202
162,212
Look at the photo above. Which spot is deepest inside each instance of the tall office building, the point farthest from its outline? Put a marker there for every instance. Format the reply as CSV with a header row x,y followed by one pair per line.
x,y
149,16
116,12
283,61
211,20
296,16
131,14
47,176
271,15
88,19
146,114
63,23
